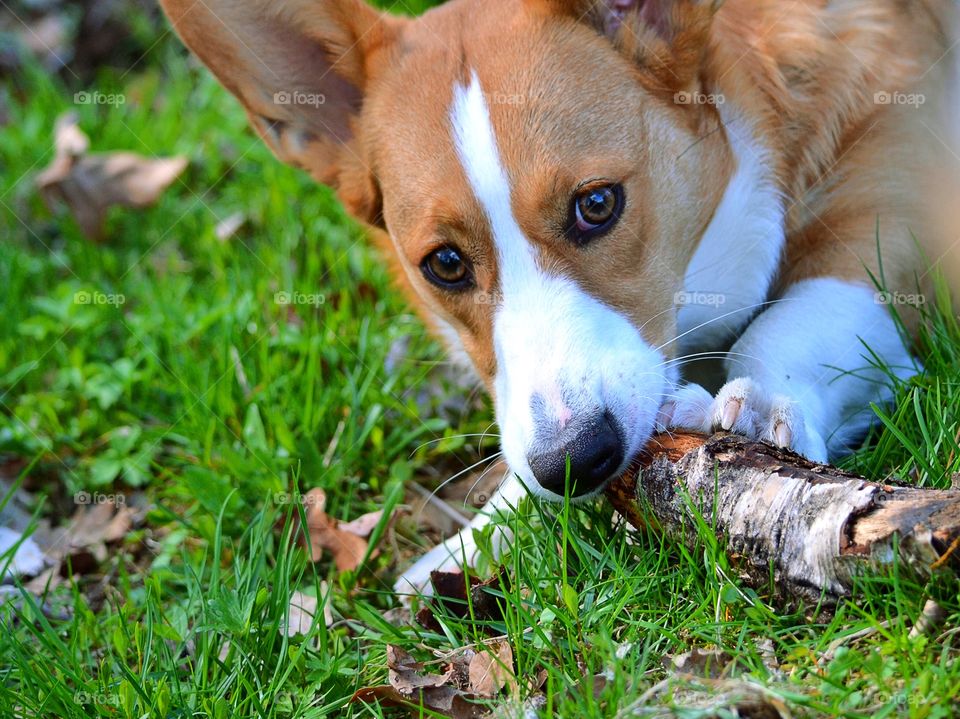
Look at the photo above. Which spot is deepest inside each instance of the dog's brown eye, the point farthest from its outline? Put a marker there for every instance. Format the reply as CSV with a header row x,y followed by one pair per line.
x,y
595,210
446,268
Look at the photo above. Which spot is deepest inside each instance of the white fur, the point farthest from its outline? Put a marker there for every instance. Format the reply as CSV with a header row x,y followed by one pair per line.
x,y
738,256
804,363
550,337
460,550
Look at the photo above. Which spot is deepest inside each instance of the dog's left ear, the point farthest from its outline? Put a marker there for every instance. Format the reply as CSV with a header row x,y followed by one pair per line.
x,y
666,37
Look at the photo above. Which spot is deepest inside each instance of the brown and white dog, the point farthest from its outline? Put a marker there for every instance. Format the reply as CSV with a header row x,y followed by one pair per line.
x,y
581,196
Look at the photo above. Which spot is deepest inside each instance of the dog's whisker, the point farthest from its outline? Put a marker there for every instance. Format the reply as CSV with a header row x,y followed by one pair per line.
x,y
487,433
462,472
467,435
694,356
746,308
479,479
656,316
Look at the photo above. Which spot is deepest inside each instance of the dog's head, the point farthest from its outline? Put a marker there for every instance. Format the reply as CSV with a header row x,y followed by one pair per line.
x,y
538,170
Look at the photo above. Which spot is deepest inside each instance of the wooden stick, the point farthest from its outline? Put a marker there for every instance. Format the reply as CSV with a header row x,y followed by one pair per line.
x,y
813,528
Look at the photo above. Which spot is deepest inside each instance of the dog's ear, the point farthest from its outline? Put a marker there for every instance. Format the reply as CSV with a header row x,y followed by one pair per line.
x,y
667,37
300,68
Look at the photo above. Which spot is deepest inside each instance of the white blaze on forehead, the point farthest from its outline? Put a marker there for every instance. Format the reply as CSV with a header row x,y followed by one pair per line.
x,y
552,340
524,287
478,152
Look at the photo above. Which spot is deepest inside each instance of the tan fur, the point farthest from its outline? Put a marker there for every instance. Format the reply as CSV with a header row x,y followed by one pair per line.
x,y
804,75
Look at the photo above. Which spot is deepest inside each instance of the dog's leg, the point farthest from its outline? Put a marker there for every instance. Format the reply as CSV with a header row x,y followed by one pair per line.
x,y
461,549
802,375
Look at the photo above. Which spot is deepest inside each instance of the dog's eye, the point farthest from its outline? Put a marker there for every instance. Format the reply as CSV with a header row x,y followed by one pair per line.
x,y
446,268
595,210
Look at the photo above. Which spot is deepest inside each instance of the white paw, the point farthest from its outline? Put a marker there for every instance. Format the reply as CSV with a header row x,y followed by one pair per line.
x,y
687,408
444,557
745,407
456,553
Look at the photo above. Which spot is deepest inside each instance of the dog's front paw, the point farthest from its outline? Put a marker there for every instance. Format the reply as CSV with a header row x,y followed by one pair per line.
x,y
442,558
455,554
745,407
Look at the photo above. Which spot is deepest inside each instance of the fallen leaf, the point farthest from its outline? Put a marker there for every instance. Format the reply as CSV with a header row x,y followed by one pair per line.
x,y
303,610
416,690
81,545
407,675
90,184
538,682
692,696
104,522
450,593
347,548
442,701
228,226
492,670
431,517
709,663
363,525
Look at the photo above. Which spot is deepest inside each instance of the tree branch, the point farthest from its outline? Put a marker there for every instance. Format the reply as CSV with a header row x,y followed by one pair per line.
x,y
813,528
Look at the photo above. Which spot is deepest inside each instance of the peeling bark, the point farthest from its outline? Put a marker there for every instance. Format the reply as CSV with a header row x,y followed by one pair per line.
x,y
813,528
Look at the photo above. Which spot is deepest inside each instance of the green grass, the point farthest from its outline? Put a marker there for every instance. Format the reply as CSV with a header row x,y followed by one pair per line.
x,y
210,398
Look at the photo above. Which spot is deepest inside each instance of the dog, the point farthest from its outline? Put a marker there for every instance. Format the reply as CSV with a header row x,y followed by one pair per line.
x,y
582,197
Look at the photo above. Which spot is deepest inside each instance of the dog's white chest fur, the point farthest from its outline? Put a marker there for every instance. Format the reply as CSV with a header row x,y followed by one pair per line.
x,y
729,277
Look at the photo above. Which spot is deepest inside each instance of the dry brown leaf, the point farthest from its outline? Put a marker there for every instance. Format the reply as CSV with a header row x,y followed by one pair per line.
x,y
411,687
347,548
90,184
688,695
303,609
442,701
81,545
492,670
407,675
709,663
363,525
450,593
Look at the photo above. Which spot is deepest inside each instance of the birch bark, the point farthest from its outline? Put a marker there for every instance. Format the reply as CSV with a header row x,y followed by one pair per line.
x,y
812,528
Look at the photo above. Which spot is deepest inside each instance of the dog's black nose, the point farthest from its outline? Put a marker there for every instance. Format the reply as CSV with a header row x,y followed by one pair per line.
x,y
595,450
